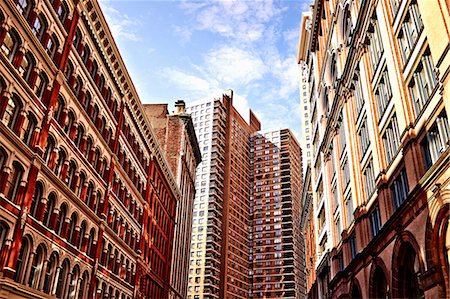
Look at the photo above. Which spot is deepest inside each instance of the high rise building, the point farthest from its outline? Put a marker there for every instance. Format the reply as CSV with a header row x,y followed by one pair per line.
x,y
220,249
277,270
176,135
379,96
223,256
87,196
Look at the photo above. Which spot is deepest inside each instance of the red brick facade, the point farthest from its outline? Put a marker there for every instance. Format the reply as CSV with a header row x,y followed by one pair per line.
x,y
87,198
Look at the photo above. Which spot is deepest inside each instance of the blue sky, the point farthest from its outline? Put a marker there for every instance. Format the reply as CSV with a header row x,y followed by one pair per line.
x,y
195,50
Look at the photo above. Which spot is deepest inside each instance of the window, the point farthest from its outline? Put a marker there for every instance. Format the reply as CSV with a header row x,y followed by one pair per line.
x,y
400,189
359,97
375,43
52,46
27,66
30,126
12,111
391,139
422,82
36,200
24,7
369,178
383,94
364,139
11,44
41,85
436,139
62,12
349,209
346,172
39,26
353,246
13,183
375,221
411,28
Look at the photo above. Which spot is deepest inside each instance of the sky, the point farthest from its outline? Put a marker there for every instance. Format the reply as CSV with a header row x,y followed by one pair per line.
x,y
196,50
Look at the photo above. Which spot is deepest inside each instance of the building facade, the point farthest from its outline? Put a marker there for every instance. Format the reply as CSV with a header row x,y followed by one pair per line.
x,y
276,244
379,100
87,197
242,234
178,141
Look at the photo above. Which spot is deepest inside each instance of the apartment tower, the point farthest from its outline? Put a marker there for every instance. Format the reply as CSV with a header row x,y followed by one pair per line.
x,y
276,207
380,103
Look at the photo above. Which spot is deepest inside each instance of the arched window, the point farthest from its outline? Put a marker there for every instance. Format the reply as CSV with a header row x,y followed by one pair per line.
x,y
77,38
102,126
69,122
61,219
50,272
108,97
83,286
408,272
40,26
101,84
22,259
59,109
78,86
52,46
72,287
97,203
79,136
50,208
62,278
37,197
103,167
60,162
62,12
4,228
88,146
11,44
90,243
49,149
36,266
13,183
109,252
41,84
347,25
94,69
86,54
95,162
71,175
12,111
86,101
380,286
30,126
81,181
95,113
27,65
69,70
89,193
71,231
24,7
81,235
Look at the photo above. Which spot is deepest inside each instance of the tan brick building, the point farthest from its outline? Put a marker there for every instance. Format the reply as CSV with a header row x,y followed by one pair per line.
x,y
379,95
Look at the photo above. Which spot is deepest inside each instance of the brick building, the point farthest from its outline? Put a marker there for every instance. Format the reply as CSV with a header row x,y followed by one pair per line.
x,y
225,256
88,200
379,101
178,141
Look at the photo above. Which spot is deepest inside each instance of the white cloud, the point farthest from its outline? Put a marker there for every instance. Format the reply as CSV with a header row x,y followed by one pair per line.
x,y
121,25
188,82
234,66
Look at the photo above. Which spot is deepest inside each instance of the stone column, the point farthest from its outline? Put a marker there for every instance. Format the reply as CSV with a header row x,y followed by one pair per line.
x,y
54,281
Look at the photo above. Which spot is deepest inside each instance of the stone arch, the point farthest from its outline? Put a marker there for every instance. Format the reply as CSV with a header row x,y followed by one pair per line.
x,y
407,265
378,272
355,289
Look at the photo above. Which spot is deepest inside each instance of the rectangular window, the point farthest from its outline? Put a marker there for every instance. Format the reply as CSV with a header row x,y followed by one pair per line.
x,y
375,43
353,246
400,189
383,94
346,172
422,82
369,178
375,221
391,139
363,135
436,140
349,209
